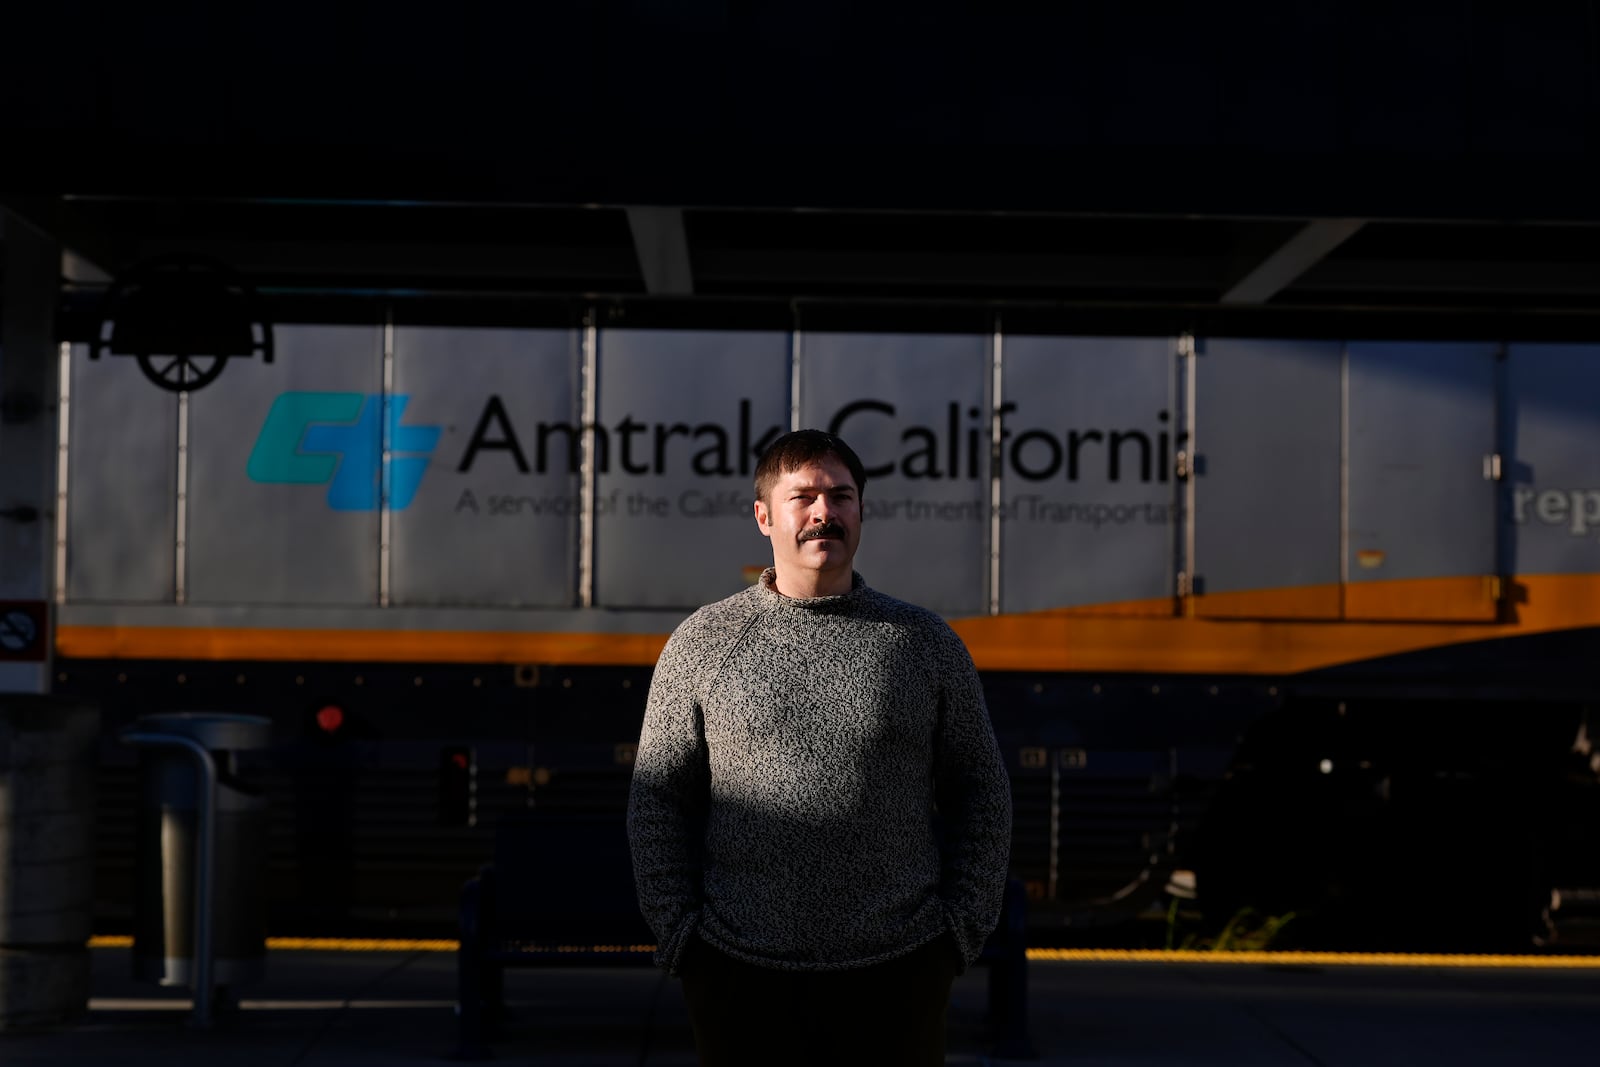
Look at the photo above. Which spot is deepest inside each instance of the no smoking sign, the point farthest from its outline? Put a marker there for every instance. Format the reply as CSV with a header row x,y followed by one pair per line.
x,y
23,630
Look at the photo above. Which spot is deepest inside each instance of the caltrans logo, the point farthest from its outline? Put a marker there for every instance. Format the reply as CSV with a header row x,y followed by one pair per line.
x,y
338,439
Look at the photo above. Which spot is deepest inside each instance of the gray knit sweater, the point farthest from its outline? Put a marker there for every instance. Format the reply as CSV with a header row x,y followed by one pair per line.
x,y
793,755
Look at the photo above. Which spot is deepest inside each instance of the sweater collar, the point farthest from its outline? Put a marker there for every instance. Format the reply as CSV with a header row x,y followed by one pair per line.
x,y
840,602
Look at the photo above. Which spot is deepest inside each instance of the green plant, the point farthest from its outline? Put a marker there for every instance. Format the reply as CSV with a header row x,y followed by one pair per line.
x,y
1247,931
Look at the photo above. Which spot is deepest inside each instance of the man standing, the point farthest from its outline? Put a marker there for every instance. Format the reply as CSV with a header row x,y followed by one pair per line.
x,y
820,819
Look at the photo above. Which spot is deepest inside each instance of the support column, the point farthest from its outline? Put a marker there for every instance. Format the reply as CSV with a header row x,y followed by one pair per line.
x,y
28,423
47,748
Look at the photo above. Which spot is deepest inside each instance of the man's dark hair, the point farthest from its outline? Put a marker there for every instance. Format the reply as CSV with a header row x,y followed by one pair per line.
x,y
801,449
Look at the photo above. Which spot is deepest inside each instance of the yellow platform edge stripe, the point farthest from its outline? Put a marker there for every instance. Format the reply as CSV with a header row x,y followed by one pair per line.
x,y
1314,959
1041,955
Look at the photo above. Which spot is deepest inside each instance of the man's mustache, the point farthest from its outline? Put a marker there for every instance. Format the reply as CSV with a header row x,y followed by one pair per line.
x,y
827,529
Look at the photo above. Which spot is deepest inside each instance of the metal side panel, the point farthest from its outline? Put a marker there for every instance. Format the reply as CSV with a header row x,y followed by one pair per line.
x,y
686,415
122,483
915,407
1087,505
1267,494
1421,522
492,518
284,473
1551,438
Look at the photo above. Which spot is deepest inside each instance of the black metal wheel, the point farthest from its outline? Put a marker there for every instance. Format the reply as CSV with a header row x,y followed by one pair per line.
x,y
181,373
182,318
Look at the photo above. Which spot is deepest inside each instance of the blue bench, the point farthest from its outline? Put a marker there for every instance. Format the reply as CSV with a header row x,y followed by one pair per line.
x,y
560,892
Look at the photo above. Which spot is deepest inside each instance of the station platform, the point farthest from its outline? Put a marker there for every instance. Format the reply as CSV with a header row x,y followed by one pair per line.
x,y
320,1007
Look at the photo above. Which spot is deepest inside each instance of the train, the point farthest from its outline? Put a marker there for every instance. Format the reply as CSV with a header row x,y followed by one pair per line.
x,y
1273,624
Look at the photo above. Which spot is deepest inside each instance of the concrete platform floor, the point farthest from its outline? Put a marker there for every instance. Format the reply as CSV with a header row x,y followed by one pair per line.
x,y
352,1009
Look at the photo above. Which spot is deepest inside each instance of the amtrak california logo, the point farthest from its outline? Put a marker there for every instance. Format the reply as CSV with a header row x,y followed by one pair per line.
x,y
354,443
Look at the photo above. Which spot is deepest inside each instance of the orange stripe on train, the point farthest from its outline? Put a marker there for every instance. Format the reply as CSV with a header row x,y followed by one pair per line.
x,y
348,645
1274,631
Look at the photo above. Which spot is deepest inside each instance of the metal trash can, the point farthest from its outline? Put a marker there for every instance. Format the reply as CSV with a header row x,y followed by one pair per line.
x,y
171,792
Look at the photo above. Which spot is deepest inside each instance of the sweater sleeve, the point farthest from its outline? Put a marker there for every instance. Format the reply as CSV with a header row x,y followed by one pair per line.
x,y
667,802
974,800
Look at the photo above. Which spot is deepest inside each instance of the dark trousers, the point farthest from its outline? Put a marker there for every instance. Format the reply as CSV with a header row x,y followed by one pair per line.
x,y
887,1015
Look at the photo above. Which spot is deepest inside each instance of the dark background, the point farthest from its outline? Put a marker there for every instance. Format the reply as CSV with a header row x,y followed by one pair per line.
x,y
1126,160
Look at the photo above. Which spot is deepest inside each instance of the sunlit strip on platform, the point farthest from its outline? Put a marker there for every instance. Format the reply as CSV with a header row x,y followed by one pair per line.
x,y
331,1004
1311,959
1038,955
320,944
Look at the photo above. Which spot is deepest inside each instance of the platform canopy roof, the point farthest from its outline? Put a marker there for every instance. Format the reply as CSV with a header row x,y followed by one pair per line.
x,y
1420,169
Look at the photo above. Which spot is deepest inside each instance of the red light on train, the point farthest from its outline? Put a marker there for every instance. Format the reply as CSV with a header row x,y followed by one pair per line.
x,y
330,718
458,787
